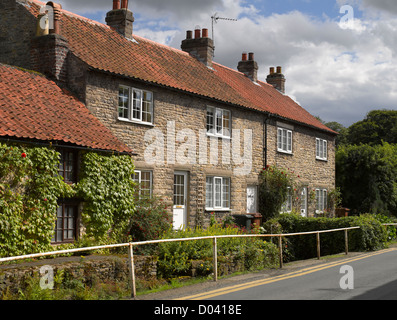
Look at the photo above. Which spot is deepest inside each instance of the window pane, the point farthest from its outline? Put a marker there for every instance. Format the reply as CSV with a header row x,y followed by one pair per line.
x,y
226,193
226,123
65,226
284,137
124,102
179,190
146,183
218,192
279,138
137,105
289,142
136,176
210,120
209,193
218,115
147,106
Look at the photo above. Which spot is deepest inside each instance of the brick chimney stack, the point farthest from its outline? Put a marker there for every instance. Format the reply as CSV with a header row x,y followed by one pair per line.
x,y
121,19
201,46
49,50
249,66
277,79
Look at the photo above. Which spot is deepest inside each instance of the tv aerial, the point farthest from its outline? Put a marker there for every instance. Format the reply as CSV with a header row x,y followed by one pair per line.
x,y
215,19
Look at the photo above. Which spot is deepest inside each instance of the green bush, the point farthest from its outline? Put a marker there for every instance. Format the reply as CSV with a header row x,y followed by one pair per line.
x,y
175,258
150,221
371,235
273,190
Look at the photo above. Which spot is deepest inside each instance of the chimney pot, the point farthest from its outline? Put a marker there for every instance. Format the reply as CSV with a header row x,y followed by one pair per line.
x,y
124,4
116,4
276,79
202,48
57,7
249,67
121,20
197,33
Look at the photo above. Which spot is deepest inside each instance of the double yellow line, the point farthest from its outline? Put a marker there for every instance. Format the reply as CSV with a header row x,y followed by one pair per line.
x,y
299,273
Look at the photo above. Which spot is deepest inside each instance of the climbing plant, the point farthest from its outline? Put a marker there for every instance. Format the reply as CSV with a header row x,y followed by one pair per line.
x,y
30,188
108,191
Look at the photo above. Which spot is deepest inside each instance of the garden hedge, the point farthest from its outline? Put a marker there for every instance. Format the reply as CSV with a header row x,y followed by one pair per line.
x,y
371,235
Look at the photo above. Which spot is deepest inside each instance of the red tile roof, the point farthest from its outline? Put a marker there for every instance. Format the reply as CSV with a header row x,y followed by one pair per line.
x,y
33,107
103,49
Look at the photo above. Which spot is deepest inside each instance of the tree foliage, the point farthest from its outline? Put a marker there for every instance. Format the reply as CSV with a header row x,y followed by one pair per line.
x,y
367,177
366,163
378,126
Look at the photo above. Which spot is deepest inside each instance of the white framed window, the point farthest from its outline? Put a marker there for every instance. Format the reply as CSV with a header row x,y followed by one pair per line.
x,y
287,206
145,181
284,140
321,200
217,193
321,149
135,105
219,122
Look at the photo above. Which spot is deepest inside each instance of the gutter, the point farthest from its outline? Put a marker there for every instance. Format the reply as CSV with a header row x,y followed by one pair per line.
x,y
65,146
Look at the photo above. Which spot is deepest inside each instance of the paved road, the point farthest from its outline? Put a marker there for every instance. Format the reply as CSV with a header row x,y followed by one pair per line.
x,y
374,278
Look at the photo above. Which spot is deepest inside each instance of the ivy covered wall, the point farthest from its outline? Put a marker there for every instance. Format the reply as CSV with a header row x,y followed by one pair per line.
x,y
30,188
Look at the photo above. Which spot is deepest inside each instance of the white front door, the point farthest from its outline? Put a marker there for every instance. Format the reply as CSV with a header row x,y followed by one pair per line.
x,y
180,200
252,199
304,202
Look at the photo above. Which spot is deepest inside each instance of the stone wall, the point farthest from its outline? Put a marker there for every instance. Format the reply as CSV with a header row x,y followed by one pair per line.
x,y
17,28
88,269
187,112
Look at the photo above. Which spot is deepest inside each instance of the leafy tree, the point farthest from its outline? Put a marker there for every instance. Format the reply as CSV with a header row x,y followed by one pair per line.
x,y
378,126
341,129
367,177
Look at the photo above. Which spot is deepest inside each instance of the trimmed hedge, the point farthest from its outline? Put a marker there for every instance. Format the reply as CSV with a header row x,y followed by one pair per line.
x,y
371,235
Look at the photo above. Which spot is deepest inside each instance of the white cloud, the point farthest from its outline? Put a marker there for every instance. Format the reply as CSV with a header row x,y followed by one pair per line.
x,y
334,73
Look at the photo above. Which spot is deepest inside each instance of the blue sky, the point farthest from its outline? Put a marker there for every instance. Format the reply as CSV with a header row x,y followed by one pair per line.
x,y
336,71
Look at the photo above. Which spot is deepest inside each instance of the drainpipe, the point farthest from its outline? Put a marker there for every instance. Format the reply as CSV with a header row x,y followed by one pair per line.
x,y
265,140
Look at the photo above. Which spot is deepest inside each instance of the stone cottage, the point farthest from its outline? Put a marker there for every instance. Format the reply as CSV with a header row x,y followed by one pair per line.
x,y
35,112
202,132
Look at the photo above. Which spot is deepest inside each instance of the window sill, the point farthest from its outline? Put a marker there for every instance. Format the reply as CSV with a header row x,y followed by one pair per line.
x,y
136,122
218,136
285,152
218,209
321,159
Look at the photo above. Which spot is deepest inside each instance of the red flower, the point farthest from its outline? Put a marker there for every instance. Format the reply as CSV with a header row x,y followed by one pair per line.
x,y
45,199
23,155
